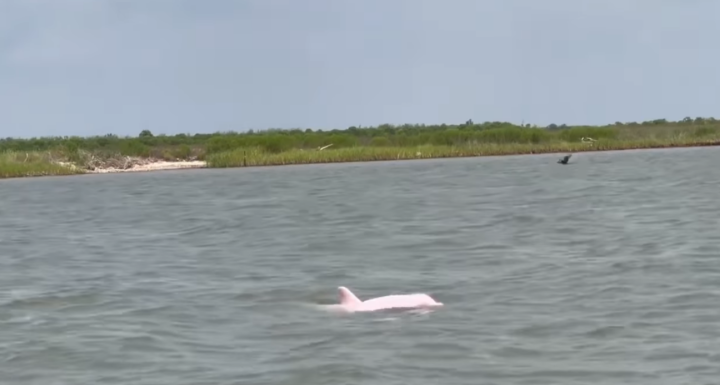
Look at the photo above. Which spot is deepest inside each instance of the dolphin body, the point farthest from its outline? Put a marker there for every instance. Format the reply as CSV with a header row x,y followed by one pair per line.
x,y
351,303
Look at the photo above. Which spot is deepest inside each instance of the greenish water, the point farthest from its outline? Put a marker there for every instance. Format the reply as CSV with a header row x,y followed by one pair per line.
x,y
604,271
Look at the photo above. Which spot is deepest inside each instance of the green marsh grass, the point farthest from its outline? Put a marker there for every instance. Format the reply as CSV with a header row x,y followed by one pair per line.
x,y
384,142
16,164
257,157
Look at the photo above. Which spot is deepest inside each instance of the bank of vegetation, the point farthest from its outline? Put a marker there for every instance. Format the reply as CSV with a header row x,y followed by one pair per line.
x,y
16,164
70,155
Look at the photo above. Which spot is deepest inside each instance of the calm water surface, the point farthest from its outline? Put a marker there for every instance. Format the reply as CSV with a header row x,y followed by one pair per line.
x,y
605,271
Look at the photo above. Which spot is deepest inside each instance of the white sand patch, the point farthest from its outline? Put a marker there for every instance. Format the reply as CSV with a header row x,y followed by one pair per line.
x,y
153,166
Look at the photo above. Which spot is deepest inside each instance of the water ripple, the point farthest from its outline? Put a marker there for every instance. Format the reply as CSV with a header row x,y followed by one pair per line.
x,y
600,273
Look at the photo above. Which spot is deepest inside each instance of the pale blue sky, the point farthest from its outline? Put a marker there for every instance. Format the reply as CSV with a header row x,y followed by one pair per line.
x,y
87,67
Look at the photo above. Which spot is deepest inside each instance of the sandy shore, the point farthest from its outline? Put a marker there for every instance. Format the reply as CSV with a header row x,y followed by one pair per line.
x,y
136,164
153,166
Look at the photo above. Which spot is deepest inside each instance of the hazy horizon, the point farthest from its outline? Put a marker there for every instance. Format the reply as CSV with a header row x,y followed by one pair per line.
x,y
83,67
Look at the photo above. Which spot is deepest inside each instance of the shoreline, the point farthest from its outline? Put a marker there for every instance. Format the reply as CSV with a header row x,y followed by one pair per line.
x,y
150,165
55,156
420,156
160,165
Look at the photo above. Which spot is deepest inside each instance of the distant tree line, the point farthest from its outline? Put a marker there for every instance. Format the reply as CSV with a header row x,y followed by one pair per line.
x,y
278,140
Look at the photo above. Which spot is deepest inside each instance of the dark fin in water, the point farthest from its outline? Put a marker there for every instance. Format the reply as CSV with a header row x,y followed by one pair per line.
x,y
565,159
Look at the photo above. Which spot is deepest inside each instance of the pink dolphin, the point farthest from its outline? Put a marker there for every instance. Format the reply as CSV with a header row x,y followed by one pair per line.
x,y
349,302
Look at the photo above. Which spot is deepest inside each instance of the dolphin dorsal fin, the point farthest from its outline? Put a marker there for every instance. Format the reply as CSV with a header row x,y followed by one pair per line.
x,y
347,297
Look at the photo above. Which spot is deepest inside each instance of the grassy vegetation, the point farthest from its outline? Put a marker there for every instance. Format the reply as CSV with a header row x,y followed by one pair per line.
x,y
15,164
39,156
